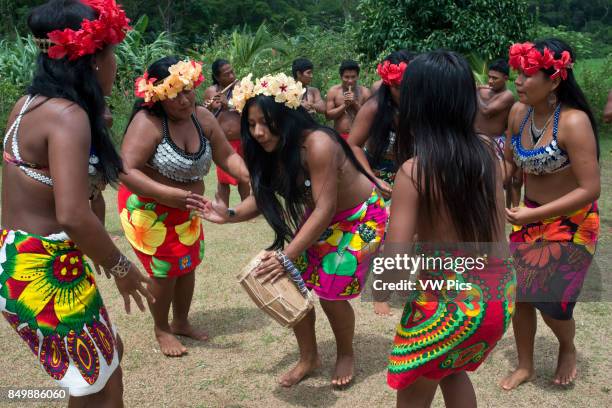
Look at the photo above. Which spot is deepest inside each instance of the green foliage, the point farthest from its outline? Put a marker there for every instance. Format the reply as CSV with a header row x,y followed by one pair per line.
x,y
17,59
191,22
135,54
595,79
582,43
488,26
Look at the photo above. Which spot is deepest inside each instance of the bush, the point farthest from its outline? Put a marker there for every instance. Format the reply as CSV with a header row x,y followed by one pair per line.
x,y
488,26
595,79
135,54
582,43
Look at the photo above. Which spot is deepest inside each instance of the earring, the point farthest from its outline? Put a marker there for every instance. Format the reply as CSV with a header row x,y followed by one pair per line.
x,y
552,99
97,68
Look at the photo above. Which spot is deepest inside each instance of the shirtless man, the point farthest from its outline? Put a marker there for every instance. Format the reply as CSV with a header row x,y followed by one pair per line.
x,y
217,102
301,69
494,104
345,100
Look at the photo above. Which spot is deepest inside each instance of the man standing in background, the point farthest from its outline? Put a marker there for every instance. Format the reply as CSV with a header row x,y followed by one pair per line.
x,y
345,100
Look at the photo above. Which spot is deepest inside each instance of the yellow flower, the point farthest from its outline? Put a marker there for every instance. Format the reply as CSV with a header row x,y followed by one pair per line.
x,y
366,238
142,230
189,231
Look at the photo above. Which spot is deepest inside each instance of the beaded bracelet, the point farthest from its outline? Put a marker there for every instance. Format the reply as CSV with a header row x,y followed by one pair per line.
x,y
121,268
295,274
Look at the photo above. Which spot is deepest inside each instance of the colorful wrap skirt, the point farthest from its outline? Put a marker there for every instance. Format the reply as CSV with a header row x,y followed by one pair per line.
x,y
336,266
168,241
49,296
222,176
452,327
386,171
552,258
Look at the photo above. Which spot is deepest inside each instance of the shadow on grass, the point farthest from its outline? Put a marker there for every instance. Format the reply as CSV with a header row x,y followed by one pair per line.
x,y
227,321
371,358
545,362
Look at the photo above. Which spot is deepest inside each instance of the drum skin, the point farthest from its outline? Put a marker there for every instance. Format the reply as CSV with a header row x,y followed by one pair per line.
x,y
280,300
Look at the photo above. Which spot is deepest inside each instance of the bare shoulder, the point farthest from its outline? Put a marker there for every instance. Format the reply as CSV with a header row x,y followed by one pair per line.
x,y
334,90
370,107
408,169
204,115
66,117
508,97
144,123
573,125
319,144
517,113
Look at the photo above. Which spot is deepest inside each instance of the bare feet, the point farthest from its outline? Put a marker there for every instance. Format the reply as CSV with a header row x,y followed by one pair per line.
x,y
187,330
169,344
516,378
301,370
382,309
566,366
343,374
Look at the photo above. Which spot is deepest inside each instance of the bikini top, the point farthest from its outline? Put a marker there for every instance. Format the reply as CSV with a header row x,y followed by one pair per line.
x,y
540,159
33,170
176,164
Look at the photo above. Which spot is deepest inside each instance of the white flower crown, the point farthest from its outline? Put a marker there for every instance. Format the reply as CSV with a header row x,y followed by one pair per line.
x,y
284,89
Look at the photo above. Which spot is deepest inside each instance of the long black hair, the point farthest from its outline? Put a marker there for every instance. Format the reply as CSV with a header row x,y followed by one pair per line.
x,y
160,71
216,69
454,166
281,174
378,141
568,92
73,80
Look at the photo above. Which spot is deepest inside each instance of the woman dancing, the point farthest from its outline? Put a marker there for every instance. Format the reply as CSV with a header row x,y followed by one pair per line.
x,y
167,150
330,215
373,137
554,141
444,333
58,153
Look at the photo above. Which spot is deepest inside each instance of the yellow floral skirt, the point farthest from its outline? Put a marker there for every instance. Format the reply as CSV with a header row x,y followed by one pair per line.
x,y
168,241
49,296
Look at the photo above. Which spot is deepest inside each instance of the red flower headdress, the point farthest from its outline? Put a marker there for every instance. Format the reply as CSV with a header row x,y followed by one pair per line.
x,y
530,60
391,74
109,28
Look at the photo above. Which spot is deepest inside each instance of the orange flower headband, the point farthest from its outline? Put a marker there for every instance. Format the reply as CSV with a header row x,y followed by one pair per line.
x,y
530,60
391,74
109,28
184,75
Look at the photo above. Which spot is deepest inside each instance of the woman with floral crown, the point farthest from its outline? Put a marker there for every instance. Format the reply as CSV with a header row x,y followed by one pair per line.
x,y
553,139
327,217
167,150
57,154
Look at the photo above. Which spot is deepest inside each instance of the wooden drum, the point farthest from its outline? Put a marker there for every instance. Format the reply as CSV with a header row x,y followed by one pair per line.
x,y
281,300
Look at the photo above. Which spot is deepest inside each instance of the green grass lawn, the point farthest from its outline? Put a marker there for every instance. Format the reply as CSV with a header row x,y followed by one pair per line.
x,y
247,351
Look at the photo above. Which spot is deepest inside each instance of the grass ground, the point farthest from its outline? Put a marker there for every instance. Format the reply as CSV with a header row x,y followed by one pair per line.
x,y
247,351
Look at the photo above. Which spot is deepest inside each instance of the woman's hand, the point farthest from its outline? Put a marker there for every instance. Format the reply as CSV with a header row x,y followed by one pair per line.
x,y
270,268
211,211
175,198
385,188
132,285
521,215
99,270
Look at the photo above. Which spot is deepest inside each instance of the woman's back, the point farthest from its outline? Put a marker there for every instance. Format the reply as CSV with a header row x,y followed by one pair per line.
x,y
28,204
